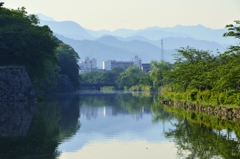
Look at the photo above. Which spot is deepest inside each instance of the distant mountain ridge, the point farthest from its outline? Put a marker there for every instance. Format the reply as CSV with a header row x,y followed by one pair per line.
x,y
68,29
112,48
44,17
124,44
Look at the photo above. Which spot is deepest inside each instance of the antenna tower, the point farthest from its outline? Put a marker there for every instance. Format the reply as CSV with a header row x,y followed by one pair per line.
x,y
162,52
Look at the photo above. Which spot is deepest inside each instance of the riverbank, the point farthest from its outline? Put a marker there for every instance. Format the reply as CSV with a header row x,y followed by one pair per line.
x,y
209,121
220,112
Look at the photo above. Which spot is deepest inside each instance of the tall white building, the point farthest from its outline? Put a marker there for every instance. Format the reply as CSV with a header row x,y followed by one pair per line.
x,y
87,65
106,65
137,61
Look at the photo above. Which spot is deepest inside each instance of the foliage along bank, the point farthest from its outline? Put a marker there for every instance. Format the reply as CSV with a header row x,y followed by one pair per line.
x,y
203,77
130,78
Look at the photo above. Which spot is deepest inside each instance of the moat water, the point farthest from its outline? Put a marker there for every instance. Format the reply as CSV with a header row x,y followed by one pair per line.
x,y
114,125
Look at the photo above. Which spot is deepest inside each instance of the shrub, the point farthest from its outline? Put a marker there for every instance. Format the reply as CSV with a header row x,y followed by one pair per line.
x,y
204,96
193,95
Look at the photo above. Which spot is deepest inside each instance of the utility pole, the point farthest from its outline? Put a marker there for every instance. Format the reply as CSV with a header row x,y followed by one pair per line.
x,y
162,52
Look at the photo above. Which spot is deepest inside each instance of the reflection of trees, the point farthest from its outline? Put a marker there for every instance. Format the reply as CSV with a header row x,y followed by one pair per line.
x,y
158,113
97,100
69,122
52,122
201,141
41,139
120,103
131,103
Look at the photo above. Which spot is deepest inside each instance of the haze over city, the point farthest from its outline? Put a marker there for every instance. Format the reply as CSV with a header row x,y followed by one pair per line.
x,y
135,14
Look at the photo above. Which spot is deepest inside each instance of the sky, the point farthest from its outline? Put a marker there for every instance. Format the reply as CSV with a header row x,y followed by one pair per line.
x,y
135,14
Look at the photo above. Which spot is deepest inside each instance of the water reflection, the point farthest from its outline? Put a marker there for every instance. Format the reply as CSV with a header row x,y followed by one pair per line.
x,y
124,150
116,103
113,125
193,133
47,127
118,125
15,118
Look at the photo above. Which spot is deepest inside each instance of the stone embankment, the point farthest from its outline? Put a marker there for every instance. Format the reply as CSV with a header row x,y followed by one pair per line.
x,y
218,111
15,85
17,101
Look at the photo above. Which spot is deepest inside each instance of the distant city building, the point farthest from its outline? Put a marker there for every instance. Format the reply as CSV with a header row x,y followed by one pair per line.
x,y
146,67
111,64
137,61
106,65
87,65
122,64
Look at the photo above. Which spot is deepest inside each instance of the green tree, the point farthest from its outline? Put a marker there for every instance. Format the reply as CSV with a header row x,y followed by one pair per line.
x,y
190,69
234,31
146,80
68,62
228,72
157,70
130,77
23,42
229,69
92,77
50,80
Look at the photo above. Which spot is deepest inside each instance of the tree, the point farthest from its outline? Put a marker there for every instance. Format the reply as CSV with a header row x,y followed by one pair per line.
x,y
130,77
234,31
146,80
23,42
68,62
157,70
190,69
229,61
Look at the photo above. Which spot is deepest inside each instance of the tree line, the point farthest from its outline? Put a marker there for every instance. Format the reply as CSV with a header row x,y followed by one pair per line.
x,y
124,79
202,75
46,58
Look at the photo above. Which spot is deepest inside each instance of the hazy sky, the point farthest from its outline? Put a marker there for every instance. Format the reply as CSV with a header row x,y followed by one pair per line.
x,y
135,14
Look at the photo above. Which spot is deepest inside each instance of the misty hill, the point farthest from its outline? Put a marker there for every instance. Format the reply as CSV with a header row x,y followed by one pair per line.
x,y
125,43
201,32
197,32
136,46
68,29
159,34
145,33
112,48
44,17
119,50
73,30
178,42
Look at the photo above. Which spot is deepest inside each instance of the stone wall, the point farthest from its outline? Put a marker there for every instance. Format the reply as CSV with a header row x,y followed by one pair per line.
x,y
17,100
219,111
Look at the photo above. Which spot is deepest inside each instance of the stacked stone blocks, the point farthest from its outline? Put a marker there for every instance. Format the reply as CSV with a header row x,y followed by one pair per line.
x,y
17,101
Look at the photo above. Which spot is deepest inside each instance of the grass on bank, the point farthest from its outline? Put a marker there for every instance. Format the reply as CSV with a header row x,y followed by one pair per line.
x,y
142,88
230,99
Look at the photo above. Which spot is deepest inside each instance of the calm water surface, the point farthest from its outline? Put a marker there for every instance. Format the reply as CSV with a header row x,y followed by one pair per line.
x,y
111,125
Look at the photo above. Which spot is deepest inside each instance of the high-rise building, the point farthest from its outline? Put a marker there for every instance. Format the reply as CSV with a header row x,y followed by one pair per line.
x,y
87,65
137,61
106,65
110,64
